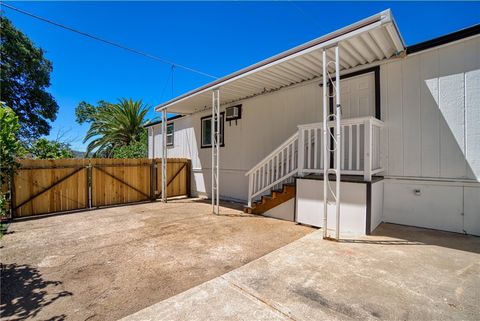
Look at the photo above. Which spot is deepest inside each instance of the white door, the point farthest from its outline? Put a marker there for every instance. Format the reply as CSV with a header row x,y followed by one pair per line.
x,y
358,96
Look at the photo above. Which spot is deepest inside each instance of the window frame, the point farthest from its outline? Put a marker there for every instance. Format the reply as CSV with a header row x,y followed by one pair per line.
x,y
222,130
171,135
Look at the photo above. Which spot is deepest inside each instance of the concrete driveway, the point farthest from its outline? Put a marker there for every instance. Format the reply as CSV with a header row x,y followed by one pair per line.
x,y
400,273
108,263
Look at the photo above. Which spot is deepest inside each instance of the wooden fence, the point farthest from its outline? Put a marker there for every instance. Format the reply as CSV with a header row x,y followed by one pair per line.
x,y
50,186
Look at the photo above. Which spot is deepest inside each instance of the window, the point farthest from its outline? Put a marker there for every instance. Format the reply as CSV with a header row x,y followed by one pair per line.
x,y
206,123
170,134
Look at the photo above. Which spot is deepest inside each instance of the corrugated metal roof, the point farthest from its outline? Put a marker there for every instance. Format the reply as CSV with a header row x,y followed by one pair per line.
x,y
372,39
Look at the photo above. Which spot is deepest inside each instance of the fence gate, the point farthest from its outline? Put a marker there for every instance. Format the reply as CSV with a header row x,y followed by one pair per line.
x,y
49,186
120,181
178,177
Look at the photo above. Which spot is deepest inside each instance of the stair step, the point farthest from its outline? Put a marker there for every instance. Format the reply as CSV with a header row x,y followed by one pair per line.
x,y
277,197
266,199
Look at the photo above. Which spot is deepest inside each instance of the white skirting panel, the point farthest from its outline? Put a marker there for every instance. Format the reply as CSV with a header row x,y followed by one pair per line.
x,y
357,211
376,204
472,210
444,206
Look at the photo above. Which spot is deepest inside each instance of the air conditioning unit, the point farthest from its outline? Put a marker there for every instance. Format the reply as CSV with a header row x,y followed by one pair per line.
x,y
233,112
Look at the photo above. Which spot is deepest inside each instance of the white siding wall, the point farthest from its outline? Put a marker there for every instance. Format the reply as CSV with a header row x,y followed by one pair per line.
x,y
445,206
266,122
431,107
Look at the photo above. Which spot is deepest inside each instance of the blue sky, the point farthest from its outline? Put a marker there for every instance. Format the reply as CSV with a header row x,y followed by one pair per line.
x,y
215,37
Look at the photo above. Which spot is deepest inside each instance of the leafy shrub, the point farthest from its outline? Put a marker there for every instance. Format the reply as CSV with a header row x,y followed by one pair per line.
x,y
47,149
136,149
10,148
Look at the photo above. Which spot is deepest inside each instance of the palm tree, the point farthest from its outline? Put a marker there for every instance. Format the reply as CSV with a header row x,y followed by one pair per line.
x,y
116,125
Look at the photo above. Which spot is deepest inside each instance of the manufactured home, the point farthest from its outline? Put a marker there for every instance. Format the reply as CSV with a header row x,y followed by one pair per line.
x,y
394,128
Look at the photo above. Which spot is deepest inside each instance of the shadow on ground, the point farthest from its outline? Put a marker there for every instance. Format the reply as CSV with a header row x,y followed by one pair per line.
x,y
24,293
236,206
408,235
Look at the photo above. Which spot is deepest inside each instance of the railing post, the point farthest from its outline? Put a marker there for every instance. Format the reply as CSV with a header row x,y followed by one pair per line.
x,y
301,151
250,188
367,151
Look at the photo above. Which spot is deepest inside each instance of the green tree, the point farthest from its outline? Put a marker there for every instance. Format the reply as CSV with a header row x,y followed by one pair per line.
x,y
10,149
86,113
47,149
137,149
113,126
25,76
10,146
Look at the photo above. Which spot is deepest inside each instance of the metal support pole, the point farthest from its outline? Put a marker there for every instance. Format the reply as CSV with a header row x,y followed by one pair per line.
x,y
326,149
215,138
217,183
338,145
164,155
212,140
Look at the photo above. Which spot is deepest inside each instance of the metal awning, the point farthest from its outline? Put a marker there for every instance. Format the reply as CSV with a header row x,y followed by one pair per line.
x,y
370,40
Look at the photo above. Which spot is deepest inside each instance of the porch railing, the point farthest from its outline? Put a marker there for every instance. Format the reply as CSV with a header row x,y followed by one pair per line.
x,y
302,153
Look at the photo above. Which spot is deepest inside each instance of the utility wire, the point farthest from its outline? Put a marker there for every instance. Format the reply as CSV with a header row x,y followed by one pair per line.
x,y
138,52
167,79
173,69
305,15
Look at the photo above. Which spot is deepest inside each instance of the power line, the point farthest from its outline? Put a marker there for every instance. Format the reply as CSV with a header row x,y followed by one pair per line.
x,y
169,77
138,52
173,69
305,15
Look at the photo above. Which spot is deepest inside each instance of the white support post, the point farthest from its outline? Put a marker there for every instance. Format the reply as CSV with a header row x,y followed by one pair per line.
x,y
250,189
337,144
301,150
338,139
326,149
164,155
367,151
215,130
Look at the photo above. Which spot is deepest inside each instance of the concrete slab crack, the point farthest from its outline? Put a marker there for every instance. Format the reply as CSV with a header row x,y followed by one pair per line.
x,y
257,297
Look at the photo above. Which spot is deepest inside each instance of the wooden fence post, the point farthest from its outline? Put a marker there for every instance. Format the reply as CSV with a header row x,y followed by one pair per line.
x,y
12,194
189,178
89,185
153,180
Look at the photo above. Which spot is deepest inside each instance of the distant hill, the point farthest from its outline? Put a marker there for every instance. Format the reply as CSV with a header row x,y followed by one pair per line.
x,y
78,154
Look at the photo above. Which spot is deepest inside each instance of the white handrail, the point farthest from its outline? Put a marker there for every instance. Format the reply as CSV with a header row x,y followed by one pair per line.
x,y
278,181
269,156
345,122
